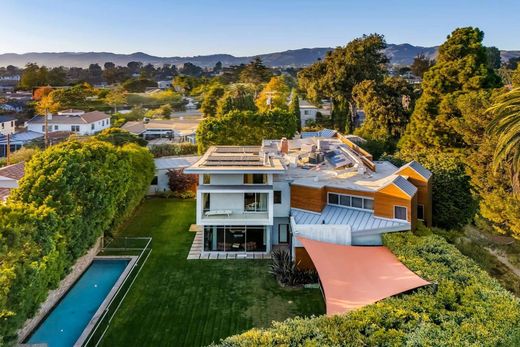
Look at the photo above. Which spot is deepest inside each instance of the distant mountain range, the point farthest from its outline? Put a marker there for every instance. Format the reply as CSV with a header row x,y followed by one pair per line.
x,y
398,54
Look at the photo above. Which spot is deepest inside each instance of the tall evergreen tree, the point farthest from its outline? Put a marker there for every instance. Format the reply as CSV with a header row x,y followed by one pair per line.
x,y
294,108
462,66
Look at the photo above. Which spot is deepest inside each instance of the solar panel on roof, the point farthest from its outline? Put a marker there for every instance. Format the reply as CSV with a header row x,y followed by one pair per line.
x,y
245,149
233,158
234,163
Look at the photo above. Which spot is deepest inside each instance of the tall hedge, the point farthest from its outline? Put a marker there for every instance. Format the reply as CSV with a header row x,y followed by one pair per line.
x,y
70,195
468,309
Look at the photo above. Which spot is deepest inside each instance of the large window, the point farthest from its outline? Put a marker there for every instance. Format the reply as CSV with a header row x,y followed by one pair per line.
x,y
237,238
420,212
283,233
400,212
255,179
206,202
206,179
255,202
350,201
74,128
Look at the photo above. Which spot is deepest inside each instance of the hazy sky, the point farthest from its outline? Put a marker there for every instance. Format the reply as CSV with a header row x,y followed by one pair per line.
x,y
243,27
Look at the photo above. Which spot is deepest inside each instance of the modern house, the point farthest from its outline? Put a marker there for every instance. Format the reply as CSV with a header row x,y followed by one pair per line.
x,y
256,198
178,129
9,177
7,125
76,121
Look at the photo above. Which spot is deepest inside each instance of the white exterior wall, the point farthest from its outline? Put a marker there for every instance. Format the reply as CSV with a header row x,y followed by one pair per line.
x,y
221,179
311,114
7,128
162,182
84,129
283,209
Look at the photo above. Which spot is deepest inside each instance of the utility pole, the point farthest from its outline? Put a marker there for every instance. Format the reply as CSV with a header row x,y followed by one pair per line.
x,y
46,125
8,149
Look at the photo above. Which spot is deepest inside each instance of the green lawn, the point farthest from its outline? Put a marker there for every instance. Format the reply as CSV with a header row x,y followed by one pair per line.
x,y
179,302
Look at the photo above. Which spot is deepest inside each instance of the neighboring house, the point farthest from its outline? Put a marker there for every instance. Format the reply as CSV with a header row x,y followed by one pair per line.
x,y
181,129
76,121
252,198
9,177
162,166
309,111
7,125
17,141
164,84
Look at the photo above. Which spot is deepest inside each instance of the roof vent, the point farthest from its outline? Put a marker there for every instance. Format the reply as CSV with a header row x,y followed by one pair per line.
x,y
284,145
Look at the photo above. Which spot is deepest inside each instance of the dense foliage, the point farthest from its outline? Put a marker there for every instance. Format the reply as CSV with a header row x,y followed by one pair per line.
x,y
179,182
461,67
173,149
245,128
70,195
468,308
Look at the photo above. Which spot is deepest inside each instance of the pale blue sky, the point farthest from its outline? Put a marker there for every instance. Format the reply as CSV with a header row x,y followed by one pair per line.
x,y
243,27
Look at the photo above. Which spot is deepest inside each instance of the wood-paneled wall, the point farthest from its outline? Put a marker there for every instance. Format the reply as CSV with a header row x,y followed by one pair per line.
x,y
390,196
302,259
308,198
424,194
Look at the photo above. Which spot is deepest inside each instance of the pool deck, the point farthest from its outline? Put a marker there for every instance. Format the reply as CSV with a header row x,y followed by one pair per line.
x,y
104,305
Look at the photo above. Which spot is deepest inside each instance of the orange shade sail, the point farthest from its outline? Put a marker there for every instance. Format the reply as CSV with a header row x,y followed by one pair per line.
x,y
355,276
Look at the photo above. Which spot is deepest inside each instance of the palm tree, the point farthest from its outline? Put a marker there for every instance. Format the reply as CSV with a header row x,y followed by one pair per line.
x,y
506,127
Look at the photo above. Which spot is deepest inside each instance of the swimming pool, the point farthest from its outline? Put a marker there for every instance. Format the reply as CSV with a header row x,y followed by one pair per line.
x,y
69,318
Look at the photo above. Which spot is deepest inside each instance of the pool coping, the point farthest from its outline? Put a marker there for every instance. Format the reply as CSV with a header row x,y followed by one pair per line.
x,y
108,299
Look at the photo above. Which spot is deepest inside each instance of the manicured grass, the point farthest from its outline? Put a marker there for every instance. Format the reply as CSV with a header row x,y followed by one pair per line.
x,y
179,302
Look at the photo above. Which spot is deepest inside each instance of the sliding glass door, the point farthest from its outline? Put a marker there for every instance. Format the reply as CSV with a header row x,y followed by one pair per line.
x,y
235,238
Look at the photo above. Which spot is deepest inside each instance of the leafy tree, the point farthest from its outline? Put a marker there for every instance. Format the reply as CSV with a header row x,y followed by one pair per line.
x,y
515,78
343,68
386,112
294,108
134,66
33,76
95,73
218,67
57,76
237,97
191,69
493,57
506,128
274,94
138,85
179,182
119,137
512,63
461,67
115,97
211,99
255,72
421,64
245,128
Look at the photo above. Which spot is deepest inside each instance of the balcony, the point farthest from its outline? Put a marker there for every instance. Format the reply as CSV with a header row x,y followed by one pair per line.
x,y
234,217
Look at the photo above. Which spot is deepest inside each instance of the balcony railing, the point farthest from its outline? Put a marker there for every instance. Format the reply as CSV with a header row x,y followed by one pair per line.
x,y
227,214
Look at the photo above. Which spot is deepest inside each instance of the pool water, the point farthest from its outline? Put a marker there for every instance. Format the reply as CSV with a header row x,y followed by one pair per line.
x,y
65,323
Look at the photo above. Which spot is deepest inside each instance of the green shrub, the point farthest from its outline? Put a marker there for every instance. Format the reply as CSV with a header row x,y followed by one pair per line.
x,y
70,195
468,309
173,149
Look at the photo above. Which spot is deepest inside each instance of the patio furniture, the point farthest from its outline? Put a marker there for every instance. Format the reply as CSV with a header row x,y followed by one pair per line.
x,y
218,213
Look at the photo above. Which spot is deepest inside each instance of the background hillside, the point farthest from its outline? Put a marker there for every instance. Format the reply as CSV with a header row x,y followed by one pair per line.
x,y
399,54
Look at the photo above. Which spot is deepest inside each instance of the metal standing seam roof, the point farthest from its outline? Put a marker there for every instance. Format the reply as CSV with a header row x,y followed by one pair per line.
x,y
421,170
356,276
405,185
358,220
325,133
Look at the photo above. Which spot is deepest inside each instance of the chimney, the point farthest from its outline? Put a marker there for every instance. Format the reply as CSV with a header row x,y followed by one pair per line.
x,y
284,145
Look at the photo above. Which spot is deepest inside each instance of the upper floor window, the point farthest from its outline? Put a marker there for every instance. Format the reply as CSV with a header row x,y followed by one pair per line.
x,y
400,212
255,202
350,201
255,179
277,196
306,112
206,179
74,128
